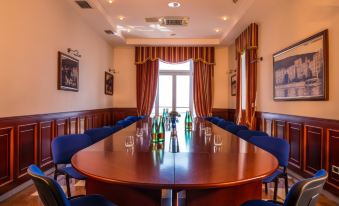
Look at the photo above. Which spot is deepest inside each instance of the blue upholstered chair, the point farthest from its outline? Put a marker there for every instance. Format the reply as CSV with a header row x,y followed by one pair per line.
x,y
233,128
51,193
303,193
224,123
280,149
247,134
124,123
63,148
97,134
215,120
132,118
208,118
141,117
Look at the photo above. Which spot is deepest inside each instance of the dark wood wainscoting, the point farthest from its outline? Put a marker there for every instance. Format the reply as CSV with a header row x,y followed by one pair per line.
x,y
26,140
227,114
314,143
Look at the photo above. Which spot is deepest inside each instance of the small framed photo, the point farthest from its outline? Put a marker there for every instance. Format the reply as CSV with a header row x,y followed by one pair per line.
x,y
234,85
109,83
68,73
300,72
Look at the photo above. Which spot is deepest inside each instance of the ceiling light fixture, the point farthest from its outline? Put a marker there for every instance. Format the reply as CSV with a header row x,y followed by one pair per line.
x,y
121,18
174,4
217,30
110,1
224,18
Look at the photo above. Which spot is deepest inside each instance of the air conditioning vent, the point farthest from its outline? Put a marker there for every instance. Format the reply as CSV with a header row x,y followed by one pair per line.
x,y
109,32
83,4
152,19
174,21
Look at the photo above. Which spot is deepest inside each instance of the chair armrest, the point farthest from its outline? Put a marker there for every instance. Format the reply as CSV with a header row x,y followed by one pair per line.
x,y
275,202
76,196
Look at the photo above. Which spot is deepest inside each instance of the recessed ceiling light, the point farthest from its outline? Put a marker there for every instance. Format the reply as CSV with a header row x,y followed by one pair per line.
x,y
224,18
174,4
121,18
217,30
128,30
110,1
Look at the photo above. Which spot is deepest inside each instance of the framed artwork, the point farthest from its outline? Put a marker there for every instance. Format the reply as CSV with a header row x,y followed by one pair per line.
x,y
68,73
109,83
234,85
300,72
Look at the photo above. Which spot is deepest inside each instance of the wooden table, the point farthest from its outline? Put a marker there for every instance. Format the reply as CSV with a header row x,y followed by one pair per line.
x,y
211,175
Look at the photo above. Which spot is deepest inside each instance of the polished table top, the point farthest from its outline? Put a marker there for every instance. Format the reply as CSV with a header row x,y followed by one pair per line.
x,y
198,164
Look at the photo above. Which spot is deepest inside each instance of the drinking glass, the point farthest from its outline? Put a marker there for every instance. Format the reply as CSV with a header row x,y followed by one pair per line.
x,y
129,141
139,132
217,140
208,131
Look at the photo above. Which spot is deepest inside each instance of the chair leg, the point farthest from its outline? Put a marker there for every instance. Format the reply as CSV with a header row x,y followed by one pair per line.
x,y
286,185
55,175
266,188
68,186
276,181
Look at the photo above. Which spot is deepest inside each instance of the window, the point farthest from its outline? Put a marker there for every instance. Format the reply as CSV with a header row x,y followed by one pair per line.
x,y
174,88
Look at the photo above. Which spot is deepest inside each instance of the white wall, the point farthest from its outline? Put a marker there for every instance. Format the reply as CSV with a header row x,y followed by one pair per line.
x,y
32,33
282,23
125,80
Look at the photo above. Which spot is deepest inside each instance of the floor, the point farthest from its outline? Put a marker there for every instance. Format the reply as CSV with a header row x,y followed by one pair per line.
x,y
29,196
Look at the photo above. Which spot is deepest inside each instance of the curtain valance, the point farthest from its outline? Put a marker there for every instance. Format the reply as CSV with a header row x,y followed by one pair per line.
x,y
174,54
248,39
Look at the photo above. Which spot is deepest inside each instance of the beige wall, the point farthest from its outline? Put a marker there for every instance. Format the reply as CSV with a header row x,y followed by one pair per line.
x,y
289,22
32,33
125,79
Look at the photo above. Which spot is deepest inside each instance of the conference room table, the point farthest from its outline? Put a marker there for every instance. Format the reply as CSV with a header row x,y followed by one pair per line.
x,y
226,174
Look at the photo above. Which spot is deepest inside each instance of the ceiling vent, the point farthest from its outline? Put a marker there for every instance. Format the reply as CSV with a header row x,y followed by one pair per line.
x,y
83,4
109,32
169,20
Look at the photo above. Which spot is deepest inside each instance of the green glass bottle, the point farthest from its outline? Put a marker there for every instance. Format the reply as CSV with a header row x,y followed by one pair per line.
x,y
154,131
190,121
161,130
186,121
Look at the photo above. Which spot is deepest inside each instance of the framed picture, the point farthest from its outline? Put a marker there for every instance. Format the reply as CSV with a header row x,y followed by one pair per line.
x,y
68,73
234,85
300,72
109,83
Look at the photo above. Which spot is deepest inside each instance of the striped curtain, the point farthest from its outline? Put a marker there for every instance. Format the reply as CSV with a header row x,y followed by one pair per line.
x,y
247,42
203,58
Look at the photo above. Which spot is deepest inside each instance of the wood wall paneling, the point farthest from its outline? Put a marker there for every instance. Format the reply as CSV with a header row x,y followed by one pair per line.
x,y
267,126
61,127
26,147
6,157
73,125
312,149
82,125
279,129
333,158
46,136
295,137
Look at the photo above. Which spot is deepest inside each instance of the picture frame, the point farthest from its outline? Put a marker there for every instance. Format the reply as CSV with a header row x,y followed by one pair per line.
x,y
234,85
300,71
109,83
68,73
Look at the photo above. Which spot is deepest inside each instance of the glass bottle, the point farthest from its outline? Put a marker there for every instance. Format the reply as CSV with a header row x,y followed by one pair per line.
x,y
154,131
161,130
186,121
189,121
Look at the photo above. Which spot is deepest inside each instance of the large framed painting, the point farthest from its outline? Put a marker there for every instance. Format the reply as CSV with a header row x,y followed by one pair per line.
x,y
300,72
68,73
233,85
109,83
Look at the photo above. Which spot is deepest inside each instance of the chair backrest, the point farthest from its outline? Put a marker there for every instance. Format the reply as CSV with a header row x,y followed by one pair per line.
x,y
224,123
132,118
276,146
306,192
98,134
64,147
49,190
233,128
246,134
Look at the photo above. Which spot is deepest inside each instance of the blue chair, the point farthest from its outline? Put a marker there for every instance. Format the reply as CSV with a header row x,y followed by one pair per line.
x,y
247,134
51,194
233,128
208,118
141,117
124,123
303,193
224,123
97,134
132,118
215,120
280,149
63,148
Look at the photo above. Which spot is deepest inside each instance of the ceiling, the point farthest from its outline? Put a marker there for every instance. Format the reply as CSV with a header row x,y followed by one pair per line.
x,y
126,18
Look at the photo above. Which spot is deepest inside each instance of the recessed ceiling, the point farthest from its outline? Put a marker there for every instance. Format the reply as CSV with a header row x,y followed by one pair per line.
x,y
208,20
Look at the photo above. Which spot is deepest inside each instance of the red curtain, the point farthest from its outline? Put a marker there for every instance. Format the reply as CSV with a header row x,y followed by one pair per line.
x,y
247,42
203,88
146,59
147,82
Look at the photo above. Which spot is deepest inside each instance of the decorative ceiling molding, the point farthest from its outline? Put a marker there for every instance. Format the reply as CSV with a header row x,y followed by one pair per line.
x,y
172,41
